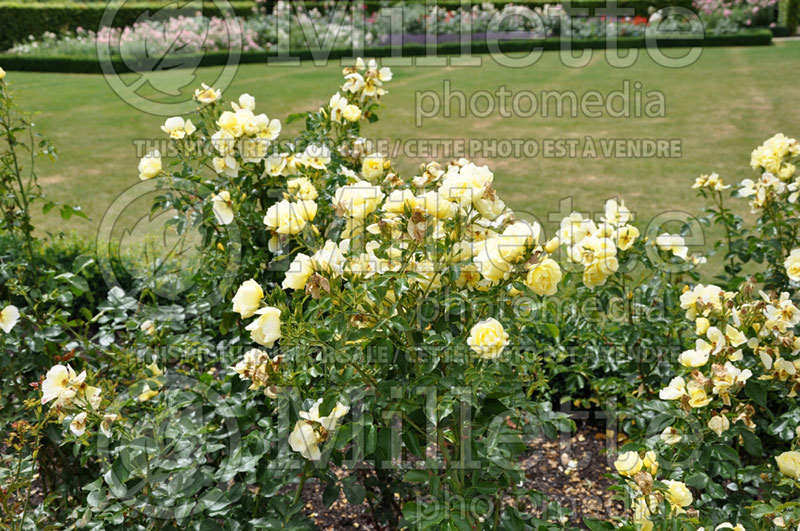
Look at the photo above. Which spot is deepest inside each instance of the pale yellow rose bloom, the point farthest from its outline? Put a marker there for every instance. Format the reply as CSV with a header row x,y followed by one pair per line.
x,y
266,329
543,279
628,463
150,165
298,272
488,338
8,318
206,94
221,206
678,494
792,265
305,440
789,464
178,128
248,298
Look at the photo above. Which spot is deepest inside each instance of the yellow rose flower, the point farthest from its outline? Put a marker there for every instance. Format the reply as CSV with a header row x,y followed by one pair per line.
x,y
266,329
286,217
372,167
298,272
305,440
628,463
221,206
351,113
552,244
359,199
789,464
678,494
206,94
2,73
248,298
8,318
177,128
543,279
150,165
792,265
488,338
302,188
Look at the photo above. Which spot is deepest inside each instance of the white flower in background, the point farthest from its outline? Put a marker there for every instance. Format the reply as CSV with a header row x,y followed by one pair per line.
x,y
266,329
305,440
177,128
148,327
248,298
78,424
206,94
150,165
9,318
221,205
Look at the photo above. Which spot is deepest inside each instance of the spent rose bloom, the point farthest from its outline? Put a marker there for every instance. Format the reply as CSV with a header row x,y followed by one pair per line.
x,y
78,424
488,338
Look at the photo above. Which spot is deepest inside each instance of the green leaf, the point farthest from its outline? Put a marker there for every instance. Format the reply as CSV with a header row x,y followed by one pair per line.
x,y
757,392
417,476
752,444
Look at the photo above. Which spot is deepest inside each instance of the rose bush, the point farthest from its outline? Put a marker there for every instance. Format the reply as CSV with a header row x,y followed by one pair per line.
x,y
400,341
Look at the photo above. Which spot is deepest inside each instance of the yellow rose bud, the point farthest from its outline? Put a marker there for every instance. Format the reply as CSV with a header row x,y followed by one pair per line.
x,y
701,326
552,244
2,73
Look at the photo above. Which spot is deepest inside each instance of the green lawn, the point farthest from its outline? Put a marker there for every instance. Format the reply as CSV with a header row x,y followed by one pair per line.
x,y
719,108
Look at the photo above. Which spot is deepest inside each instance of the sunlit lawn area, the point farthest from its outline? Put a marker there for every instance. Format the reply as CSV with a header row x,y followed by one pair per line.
x,y
719,108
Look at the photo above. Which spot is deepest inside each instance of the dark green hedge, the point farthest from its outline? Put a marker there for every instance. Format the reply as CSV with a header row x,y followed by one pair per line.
x,y
18,20
90,66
